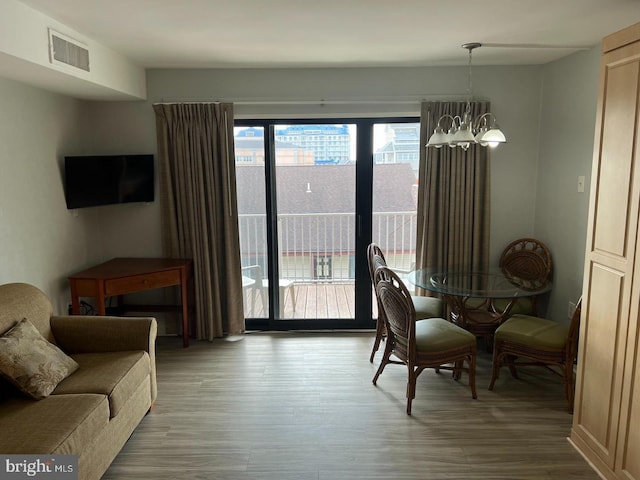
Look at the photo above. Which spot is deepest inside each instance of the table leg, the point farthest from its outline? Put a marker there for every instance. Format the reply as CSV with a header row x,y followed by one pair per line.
x,y
185,311
75,301
101,306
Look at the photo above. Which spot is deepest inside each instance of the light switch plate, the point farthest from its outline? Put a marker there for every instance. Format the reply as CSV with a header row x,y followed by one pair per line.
x,y
581,184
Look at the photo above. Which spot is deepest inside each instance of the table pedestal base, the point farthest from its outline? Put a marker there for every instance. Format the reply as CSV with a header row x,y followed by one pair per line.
x,y
477,315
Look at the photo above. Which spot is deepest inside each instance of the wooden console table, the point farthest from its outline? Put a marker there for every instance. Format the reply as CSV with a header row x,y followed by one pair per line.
x,y
121,276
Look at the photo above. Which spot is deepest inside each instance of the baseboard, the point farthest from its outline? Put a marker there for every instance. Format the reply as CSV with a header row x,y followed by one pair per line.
x,y
598,465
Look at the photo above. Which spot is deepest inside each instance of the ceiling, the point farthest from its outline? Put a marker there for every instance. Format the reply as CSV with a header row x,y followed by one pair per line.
x,y
339,33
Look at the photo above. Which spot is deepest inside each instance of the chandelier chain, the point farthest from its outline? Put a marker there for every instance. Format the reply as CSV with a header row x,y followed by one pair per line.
x,y
470,87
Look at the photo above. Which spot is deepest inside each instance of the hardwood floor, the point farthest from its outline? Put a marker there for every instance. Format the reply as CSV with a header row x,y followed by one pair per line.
x,y
285,406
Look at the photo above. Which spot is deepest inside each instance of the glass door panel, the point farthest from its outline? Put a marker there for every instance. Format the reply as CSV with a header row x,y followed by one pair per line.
x,y
315,185
395,187
252,215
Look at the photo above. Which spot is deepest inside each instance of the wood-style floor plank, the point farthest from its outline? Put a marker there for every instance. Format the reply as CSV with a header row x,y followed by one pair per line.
x,y
285,406
313,301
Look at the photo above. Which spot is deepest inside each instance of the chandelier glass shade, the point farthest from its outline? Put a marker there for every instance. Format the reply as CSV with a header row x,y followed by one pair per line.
x,y
464,131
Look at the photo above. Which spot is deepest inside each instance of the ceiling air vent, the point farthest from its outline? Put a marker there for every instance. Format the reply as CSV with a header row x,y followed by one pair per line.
x,y
64,50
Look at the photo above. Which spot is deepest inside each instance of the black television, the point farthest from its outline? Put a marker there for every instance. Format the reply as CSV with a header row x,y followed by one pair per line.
x,y
93,180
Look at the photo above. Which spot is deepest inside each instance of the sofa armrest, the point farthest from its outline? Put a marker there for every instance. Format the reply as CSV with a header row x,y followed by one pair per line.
x,y
88,334
91,334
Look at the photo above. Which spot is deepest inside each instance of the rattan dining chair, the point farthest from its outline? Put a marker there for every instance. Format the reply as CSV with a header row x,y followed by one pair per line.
x,y
528,262
525,340
420,344
426,307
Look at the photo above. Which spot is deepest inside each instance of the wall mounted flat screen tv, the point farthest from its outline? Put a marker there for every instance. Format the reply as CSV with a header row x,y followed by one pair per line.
x,y
94,180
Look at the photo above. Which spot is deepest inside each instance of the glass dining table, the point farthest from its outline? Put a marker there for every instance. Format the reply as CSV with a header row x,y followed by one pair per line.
x,y
478,301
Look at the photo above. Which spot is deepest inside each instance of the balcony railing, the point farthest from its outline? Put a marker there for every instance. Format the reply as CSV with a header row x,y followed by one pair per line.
x,y
320,247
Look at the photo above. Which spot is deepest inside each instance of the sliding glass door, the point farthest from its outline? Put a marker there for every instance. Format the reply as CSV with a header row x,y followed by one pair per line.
x,y
308,192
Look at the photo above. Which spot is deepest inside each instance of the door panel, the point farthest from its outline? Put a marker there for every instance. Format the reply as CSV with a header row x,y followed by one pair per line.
x,y
316,191
601,354
395,186
252,215
612,207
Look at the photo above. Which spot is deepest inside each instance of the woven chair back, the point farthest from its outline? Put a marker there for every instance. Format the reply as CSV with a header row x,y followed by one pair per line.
x,y
397,304
376,259
527,261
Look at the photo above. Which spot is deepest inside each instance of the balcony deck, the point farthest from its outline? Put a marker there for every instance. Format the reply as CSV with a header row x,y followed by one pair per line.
x,y
314,300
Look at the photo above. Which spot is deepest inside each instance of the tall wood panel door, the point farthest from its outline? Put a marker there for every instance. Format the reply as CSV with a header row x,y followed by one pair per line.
x,y
607,380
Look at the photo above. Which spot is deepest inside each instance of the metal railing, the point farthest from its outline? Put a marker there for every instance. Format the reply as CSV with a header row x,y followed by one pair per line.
x,y
320,247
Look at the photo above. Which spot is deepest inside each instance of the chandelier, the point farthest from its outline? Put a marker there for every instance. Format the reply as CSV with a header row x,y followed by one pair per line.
x,y
464,131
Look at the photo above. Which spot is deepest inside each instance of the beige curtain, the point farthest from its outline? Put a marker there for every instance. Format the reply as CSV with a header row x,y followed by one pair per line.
x,y
453,197
199,210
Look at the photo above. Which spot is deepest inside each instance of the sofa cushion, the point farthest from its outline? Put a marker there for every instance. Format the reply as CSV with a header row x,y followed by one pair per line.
x,y
115,374
61,424
30,362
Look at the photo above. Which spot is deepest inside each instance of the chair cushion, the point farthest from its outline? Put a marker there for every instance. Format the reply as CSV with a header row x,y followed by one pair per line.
x,y
61,424
427,307
114,374
436,335
533,331
31,363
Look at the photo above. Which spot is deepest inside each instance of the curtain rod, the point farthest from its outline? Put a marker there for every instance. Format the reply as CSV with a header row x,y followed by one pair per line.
x,y
321,101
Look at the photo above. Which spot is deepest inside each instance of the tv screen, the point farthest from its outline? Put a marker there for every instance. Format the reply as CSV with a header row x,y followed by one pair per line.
x,y
108,179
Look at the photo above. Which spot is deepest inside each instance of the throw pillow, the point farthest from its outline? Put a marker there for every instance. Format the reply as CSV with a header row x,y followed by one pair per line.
x,y
31,363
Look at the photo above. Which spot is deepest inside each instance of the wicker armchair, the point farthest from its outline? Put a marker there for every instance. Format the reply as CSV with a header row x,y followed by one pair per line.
x,y
419,344
527,340
426,307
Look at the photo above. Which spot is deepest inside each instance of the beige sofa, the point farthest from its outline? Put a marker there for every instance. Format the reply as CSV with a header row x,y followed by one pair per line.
x,y
93,411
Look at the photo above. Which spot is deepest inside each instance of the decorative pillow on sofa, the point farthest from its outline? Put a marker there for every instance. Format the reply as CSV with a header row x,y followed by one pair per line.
x,y
31,363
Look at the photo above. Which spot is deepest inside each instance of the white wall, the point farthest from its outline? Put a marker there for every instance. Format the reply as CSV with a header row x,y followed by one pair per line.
x,y
568,109
41,242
